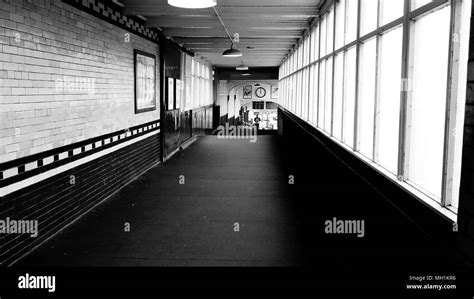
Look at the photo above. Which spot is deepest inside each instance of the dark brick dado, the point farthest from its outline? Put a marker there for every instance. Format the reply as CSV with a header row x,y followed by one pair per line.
x,y
301,135
55,202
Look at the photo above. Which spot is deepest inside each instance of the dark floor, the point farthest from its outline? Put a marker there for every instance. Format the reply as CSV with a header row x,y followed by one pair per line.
x,y
235,181
191,224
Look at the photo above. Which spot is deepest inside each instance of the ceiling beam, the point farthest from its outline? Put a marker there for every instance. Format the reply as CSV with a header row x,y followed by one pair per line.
x,y
251,23
232,2
243,40
252,33
253,51
281,12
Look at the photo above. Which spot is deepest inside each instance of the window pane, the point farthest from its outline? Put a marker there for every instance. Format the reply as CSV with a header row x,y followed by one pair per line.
x,y
305,93
322,89
323,33
338,93
390,62
351,21
298,94
368,16
308,49
316,43
294,91
301,55
288,92
428,101
201,91
298,60
366,99
349,96
281,88
311,92
328,97
340,18
304,52
288,105
390,10
314,105
330,31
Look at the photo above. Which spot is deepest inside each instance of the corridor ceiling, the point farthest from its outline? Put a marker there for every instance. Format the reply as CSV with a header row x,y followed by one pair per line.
x,y
268,29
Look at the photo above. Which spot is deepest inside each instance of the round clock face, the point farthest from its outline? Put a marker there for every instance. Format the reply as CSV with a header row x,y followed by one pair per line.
x,y
260,92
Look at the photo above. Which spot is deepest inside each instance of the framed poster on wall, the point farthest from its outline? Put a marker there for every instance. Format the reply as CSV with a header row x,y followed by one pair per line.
x,y
170,94
145,81
274,92
247,94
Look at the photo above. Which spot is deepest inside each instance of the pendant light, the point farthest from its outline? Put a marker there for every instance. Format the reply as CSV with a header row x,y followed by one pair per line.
x,y
193,4
242,67
232,52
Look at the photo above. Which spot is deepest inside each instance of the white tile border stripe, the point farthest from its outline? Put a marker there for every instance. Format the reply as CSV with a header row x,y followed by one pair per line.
x,y
50,173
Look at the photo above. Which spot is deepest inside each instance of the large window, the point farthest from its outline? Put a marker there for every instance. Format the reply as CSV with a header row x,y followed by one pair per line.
x,y
379,88
198,84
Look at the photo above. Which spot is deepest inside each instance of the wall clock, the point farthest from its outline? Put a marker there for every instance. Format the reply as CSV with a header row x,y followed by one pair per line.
x,y
260,92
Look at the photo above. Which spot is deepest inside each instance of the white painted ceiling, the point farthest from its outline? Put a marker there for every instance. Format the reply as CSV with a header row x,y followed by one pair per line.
x,y
269,27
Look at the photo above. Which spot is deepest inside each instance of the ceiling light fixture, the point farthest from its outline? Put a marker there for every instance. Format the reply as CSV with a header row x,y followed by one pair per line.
x,y
246,74
193,4
232,52
242,67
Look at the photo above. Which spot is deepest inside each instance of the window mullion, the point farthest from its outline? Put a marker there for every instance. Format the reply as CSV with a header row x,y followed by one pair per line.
x,y
331,130
404,84
377,87
356,105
